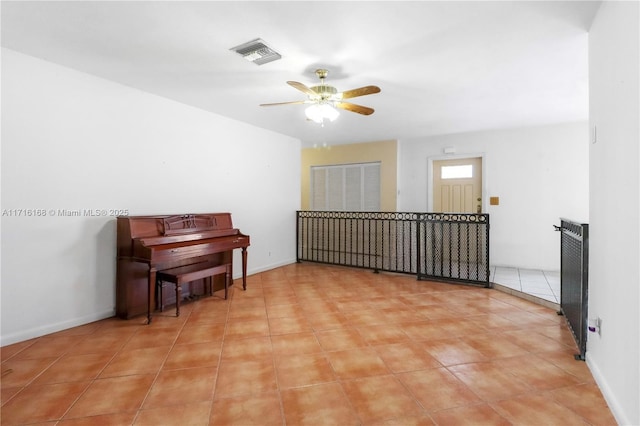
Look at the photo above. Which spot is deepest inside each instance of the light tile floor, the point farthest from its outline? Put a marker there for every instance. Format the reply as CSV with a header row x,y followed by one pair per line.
x,y
311,344
542,284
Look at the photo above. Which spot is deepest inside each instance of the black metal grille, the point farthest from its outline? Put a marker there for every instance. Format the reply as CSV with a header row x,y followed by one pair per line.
x,y
574,274
373,240
454,247
432,246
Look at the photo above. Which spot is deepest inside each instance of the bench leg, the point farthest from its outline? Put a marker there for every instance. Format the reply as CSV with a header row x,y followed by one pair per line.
x,y
227,280
178,296
160,287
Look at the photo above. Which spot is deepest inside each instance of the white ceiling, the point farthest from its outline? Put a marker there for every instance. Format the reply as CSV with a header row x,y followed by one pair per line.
x,y
443,67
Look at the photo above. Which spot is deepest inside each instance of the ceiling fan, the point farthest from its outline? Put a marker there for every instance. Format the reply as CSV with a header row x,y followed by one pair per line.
x,y
324,99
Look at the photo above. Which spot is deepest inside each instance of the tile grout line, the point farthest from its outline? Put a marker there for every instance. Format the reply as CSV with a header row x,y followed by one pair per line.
x,y
91,382
157,374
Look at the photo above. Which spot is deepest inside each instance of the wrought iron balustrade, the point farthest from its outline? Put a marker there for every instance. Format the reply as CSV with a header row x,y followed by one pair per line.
x,y
453,247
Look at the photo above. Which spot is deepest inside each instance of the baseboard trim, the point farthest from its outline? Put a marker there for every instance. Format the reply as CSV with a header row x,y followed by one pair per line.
x,y
33,333
268,267
608,395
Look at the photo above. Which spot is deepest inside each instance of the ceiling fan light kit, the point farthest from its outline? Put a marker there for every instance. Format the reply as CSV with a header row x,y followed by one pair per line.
x,y
318,112
325,100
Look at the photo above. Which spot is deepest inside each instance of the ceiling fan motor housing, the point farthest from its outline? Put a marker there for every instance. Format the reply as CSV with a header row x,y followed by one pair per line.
x,y
325,92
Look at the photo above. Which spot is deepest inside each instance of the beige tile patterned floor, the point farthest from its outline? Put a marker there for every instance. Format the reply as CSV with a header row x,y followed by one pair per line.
x,y
311,344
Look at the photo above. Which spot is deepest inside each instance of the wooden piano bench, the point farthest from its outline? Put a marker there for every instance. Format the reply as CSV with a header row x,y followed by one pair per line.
x,y
188,273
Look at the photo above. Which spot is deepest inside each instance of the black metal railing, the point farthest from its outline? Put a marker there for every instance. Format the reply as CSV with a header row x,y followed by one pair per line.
x,y
372,240
574,279
452,247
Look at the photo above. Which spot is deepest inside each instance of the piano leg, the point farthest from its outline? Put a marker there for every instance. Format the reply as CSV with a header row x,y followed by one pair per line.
x,y
151,293
244,268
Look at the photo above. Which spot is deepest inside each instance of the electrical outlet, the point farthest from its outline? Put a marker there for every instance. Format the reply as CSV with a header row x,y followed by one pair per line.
x,y
595,326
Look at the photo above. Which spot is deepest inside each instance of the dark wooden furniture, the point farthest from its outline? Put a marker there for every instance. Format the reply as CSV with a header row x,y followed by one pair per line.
x,y
188,273
148,244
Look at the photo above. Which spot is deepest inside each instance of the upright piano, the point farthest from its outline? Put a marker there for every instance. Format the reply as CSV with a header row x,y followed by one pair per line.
x,y
147,244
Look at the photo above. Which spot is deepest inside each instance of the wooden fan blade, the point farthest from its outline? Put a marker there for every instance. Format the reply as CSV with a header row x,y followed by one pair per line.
x,y
361,91
284,103
301,87
354,108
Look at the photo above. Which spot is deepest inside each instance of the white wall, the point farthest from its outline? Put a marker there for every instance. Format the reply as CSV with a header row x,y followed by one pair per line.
x,y
73,141
539,173
614,258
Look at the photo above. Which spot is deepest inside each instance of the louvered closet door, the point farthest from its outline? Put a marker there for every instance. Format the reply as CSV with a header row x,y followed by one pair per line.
x,y
352,187
319,188
371,188
335,193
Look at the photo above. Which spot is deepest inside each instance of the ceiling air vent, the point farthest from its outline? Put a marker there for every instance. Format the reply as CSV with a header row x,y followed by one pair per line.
x,y
257,51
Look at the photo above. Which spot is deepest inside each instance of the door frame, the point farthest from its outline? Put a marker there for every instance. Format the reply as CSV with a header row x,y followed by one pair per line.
x,y
430,161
